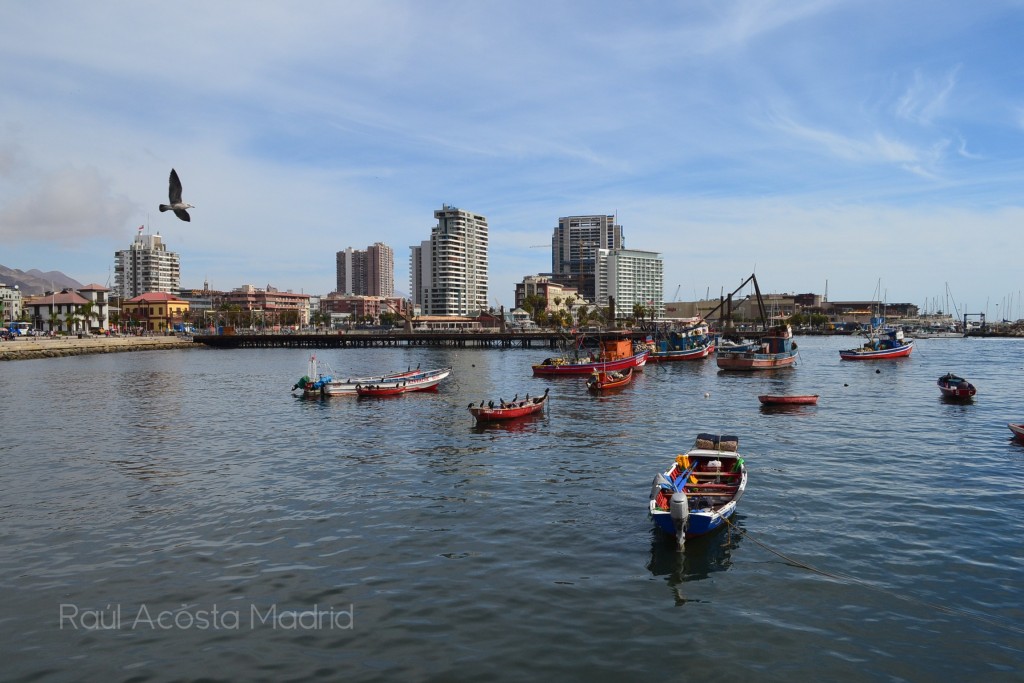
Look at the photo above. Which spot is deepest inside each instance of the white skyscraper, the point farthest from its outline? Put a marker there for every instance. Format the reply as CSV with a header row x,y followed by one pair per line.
x,y
145,267
632,277
448,273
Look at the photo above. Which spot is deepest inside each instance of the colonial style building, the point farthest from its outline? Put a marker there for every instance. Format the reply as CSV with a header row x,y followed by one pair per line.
x,y
85,310
153,312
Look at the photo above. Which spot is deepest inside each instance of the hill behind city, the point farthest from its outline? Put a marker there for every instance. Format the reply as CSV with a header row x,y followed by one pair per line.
x,y
35,281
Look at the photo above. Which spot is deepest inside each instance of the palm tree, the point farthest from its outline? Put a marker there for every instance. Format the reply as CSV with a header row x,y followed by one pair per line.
x,y
54,320
88,312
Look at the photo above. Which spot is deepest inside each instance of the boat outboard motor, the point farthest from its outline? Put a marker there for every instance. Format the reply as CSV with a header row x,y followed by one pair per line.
x,y
679,509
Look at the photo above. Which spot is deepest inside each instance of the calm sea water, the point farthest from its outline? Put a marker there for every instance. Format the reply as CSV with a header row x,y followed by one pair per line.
x,y
178,515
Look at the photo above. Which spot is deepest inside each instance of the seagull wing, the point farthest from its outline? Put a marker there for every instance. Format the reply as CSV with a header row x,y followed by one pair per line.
x,y
183,215
175,189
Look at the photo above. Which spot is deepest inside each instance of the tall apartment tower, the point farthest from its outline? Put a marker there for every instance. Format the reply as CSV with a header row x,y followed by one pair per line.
x,y
574,247
370,272
632,277
146,266
448,272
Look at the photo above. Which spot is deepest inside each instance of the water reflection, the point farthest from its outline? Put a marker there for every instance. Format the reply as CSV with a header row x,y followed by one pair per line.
x,y
526,423
787,409
697,561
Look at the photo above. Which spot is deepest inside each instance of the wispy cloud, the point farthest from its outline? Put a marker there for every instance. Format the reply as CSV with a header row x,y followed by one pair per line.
x,y
298,133
925,98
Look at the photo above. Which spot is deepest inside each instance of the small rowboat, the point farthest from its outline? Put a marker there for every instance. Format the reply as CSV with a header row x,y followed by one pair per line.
x,y
508,411
700,491
955,387
1017,428
380,390
788,400
604,381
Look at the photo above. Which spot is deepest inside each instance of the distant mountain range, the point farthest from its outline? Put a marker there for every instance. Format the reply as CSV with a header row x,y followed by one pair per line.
x,y
34,281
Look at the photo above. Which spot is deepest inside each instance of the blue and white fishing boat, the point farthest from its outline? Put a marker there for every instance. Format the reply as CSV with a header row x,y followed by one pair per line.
x,y
700,491
314,382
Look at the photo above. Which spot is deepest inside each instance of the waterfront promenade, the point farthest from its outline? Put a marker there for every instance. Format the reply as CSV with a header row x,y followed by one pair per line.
x,y
53,347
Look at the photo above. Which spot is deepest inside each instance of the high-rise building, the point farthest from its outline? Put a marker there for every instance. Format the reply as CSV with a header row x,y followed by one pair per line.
x,y
632,277
574,247
448,272
146,266
368,273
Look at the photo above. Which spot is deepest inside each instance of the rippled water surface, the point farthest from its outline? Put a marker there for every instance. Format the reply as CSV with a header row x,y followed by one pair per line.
x,y
178,515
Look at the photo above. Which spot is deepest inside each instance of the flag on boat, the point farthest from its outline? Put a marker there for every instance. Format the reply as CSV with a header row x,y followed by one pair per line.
x,y
140,228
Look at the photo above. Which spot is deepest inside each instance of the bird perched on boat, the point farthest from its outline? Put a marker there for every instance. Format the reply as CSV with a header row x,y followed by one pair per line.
x,y
174,194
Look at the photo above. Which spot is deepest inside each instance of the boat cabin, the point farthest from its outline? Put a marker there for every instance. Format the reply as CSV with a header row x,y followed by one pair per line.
x,y
616,349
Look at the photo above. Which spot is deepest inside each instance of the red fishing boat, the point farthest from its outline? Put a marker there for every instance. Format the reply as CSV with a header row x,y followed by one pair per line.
x,y
693,342
955,387
604,381
380,390
1017,428
788,400
508,411
614,355
775,350
881,345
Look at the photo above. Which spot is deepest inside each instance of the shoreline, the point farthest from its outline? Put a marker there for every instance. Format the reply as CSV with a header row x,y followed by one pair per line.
x,y
59,347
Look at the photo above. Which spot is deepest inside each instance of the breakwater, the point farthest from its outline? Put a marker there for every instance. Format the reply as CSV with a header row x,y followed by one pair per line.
x,y
362,339
46,347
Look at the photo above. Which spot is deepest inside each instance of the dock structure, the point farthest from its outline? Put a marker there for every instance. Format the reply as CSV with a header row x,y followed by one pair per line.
x,y
360,339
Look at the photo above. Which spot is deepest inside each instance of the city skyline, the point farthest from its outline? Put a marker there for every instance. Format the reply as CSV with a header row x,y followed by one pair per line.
x,y
824,145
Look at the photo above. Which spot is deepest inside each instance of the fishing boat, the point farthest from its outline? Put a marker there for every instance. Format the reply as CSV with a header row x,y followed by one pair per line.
x,y
881,345
414,380
604,381
788,399
955,387
776,349
1017,428
508,411
694,342
700,491
307,386
381,390
613,355
326,385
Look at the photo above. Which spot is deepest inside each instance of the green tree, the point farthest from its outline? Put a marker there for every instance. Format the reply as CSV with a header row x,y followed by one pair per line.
x,y
88,312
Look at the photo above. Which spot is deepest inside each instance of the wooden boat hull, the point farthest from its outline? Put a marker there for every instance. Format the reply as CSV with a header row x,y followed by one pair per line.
x,y
901,351
1017,428
956,388
676,355
597,384
531,407
776,399
557,369
750,360
711,500
418,380
379,392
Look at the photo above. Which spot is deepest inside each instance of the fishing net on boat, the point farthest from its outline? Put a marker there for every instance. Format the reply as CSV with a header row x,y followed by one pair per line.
x,y
716,442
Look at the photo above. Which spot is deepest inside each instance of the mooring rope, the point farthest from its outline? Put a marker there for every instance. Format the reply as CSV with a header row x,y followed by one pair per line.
x,y
992,621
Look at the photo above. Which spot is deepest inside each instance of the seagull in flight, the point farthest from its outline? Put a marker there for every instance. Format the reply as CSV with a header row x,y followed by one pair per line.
x,y
176,205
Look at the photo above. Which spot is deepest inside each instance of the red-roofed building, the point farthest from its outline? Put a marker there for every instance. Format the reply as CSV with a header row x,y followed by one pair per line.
x,y
68,310
153,312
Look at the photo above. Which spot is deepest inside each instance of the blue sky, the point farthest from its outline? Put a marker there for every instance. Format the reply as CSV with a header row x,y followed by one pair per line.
x,y
842,142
